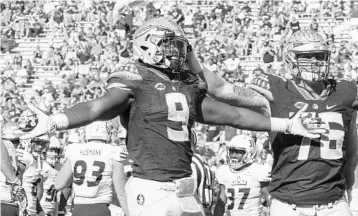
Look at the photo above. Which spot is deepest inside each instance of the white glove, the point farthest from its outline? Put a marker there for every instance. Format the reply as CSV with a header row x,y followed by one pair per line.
x,y
25,157
298,125
46,123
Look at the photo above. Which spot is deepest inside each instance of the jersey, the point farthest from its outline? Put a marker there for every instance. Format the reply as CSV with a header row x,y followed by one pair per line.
x,y
203,175
161,115
243,188
5,188
48,201
30,179
92,171
305,171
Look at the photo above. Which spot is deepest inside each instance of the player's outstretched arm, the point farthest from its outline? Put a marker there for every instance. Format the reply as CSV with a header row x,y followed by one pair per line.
x,y
215,112
64,176
229,93
110,105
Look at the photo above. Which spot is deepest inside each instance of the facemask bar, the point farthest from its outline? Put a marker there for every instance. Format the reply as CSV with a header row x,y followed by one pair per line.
x,y
316,63
173,51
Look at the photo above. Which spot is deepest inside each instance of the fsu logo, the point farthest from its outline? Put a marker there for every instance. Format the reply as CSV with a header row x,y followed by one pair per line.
x,y
160,86
140,199
299,105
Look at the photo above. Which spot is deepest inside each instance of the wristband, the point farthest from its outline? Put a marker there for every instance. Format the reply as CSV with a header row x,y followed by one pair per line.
x,y
16,181
279,125
59,121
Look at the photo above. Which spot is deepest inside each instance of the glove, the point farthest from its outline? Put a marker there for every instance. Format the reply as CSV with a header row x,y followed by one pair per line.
x,y
18,194
302,126
46,123
25,157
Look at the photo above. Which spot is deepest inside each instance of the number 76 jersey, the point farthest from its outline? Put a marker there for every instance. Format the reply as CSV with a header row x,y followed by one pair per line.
x,y
243,188
305,171
91,164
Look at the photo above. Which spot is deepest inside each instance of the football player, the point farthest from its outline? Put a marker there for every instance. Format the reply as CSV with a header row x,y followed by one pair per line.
x,y
163,100
309,175
241,179
49,173
32,177
13,197
92,168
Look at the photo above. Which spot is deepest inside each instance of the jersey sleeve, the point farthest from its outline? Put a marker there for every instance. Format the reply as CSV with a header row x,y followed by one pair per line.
x,y
222,174
119,153
126,77
262,84
263,173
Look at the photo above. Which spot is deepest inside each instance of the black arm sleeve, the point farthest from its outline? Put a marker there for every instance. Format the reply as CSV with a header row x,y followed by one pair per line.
x,y
210,111
110,105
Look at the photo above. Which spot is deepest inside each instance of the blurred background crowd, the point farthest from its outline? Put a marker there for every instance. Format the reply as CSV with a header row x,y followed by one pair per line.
x,y
55,53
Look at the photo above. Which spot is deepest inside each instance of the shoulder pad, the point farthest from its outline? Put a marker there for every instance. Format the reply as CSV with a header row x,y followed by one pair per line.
x,y
348,88
125,77
262,85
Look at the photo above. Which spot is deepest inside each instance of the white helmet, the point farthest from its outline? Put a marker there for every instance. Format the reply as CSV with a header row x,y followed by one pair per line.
x,y
307,56
241,143
98,131
162,43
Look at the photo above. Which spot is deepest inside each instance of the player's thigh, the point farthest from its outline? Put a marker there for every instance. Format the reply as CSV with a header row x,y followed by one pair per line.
x,y
9,210
97,209
278,208
144,197
338,209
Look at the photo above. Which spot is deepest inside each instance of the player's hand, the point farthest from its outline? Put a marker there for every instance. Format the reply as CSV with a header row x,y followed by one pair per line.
x,y
304,125
44,125
193,62
25,157
18,195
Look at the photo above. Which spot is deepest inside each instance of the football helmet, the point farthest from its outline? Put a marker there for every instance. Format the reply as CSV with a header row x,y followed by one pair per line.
x,y
241,150
307,56
39,145
54,151
99,130
162,43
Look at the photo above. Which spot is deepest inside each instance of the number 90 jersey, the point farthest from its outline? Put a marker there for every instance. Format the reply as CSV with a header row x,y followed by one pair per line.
x,y
160,119
309,172
243,188
92,168
48,200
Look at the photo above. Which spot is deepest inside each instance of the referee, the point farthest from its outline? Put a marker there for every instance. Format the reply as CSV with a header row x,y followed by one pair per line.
x,y
202,172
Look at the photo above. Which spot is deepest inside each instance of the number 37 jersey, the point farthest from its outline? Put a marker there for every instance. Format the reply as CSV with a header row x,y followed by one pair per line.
x,y
305,171
160,119
91,164
243,188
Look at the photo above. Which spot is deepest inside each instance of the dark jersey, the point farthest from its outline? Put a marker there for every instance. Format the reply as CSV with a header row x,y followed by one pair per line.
x,y
305,171
160,119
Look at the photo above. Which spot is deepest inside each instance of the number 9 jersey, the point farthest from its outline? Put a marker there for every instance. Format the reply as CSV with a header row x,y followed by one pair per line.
x,y
305,171
160,120
92,171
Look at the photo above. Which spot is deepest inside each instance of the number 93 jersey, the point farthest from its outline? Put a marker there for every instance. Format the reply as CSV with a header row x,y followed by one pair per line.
x,y
305,171
243,188
92,168
160,119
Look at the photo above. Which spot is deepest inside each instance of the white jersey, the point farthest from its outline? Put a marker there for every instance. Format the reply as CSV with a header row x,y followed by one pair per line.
x,y
243,188
29,183
48,200
92,171
5,189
